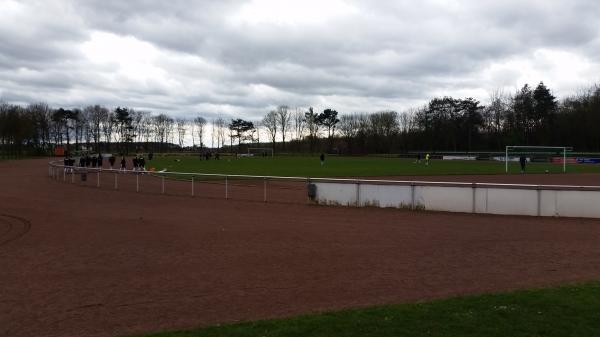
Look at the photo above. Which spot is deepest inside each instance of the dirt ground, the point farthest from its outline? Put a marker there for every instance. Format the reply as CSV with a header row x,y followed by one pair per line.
x,y
76,260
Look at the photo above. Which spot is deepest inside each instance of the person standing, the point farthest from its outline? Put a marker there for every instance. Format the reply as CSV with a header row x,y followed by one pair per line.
x,y
111,160
522,161
94,161
123,163
322,159
100,160
427,159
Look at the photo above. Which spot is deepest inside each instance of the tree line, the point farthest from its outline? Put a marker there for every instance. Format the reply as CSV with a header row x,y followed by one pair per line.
x,y
529,116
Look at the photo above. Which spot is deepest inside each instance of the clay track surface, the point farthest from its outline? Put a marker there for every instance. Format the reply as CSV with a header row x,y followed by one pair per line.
x,y
77,260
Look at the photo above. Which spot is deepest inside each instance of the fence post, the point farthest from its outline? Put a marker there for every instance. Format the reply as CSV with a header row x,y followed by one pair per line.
x,y
226,189
192,186
307,184
539,201
474,187
357,193
265,189
412,195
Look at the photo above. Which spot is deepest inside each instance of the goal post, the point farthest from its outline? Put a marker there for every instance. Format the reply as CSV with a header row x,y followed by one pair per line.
x,y
537,150
254,150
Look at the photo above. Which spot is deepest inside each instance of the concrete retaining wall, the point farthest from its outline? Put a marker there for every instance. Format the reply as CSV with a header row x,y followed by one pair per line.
x,y
533,200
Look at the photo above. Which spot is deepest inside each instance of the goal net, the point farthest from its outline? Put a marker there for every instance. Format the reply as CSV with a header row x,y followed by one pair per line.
x,y
538,159
260,152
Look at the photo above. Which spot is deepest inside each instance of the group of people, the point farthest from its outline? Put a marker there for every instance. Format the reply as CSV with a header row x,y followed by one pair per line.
x,y
139,163
426,159
207,155
97,161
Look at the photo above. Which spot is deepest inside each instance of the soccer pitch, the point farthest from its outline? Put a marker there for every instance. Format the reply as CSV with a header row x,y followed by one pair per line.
x,y
310,166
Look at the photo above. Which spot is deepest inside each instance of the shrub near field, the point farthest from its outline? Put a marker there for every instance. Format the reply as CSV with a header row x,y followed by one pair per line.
x,y
294,166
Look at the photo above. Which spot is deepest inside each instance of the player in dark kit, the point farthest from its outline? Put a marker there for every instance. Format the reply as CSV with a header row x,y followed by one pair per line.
x,y
123,163
322,159
99,160
111,160
94,161
522,161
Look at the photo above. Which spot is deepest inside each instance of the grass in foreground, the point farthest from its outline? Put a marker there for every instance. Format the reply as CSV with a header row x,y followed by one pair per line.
x,y
564,311
348,166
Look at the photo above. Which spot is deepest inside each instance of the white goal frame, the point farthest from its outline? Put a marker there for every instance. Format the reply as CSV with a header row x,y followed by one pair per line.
x,y
563,148
266,149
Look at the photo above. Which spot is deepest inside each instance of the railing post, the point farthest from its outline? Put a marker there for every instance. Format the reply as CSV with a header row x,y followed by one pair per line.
x,y
307,184
192,186
539,201
226,189
265,189
357,193
474,187
412,195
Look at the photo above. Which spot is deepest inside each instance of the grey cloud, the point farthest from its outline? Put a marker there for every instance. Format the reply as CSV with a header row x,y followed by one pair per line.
x,y
389,54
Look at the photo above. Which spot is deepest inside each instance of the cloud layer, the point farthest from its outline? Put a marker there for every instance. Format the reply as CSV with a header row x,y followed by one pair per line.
x,y
242,58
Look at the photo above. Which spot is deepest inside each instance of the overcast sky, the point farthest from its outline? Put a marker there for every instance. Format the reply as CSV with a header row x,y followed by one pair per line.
x,y
243,58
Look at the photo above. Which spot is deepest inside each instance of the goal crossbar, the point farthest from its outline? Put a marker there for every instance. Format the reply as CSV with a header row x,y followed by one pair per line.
x,y
564,150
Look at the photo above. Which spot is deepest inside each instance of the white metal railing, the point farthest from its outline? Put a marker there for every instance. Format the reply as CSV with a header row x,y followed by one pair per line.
x,y
59,171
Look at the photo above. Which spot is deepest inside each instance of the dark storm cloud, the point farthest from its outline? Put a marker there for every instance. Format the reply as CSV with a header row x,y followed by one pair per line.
x,y
202,57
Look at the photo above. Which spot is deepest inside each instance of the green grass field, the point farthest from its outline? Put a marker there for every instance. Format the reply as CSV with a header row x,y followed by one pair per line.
x,y
563,311
297,166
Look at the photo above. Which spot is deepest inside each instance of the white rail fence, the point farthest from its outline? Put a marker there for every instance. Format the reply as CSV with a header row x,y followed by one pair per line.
x,y
484,198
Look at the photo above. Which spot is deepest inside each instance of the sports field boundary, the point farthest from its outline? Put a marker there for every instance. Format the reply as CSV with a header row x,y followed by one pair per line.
x,y
464,197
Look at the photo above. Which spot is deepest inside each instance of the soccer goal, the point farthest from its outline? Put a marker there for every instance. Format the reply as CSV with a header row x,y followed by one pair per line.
x,y
538,154
260,151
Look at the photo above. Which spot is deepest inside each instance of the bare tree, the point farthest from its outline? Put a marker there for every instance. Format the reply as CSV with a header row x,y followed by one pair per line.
x,y
270,122
299,124
95,114
199,123
221,131
181,131
283,119
312,124
108,127
163,127
349,126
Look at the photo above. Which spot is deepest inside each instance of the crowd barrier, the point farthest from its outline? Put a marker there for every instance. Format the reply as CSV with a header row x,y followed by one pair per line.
x,y
484,198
